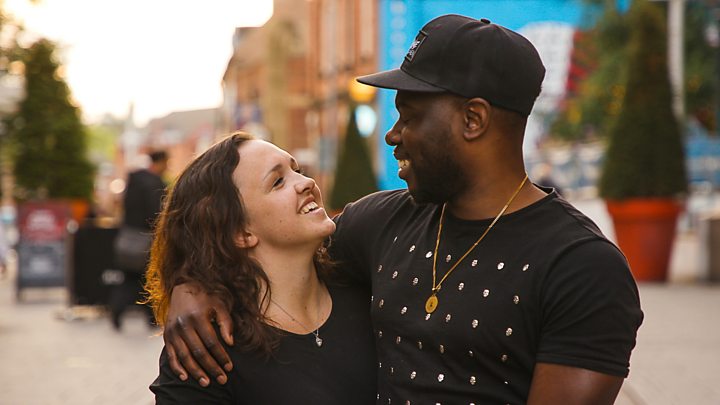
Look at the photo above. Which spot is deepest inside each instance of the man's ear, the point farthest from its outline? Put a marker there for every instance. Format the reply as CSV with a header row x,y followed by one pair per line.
x,y
477,114
246,240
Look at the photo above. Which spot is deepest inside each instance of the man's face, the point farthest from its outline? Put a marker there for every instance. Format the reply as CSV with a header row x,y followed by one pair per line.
x,y
426,145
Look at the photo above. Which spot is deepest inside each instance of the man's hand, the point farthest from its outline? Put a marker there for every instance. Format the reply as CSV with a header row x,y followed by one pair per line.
x,y
190,339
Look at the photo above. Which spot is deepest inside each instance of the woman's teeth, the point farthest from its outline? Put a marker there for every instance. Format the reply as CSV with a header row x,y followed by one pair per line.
x,y
403,164
311,206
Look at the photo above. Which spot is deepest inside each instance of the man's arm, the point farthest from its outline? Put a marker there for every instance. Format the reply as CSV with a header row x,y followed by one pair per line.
x,y
192,344
557,384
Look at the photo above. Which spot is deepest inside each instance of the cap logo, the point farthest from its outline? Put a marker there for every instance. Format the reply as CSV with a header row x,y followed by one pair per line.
x,y
415,46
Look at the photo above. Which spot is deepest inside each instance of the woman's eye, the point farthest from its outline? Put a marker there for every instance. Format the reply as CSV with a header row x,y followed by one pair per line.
x,y
300,170
279,181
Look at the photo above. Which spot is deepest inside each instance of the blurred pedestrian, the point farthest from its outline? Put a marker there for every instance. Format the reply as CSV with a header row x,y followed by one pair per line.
x,y
4,250
542,176
141,205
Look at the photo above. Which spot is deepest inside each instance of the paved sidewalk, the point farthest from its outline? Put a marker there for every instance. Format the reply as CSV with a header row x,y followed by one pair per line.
x,y
47,358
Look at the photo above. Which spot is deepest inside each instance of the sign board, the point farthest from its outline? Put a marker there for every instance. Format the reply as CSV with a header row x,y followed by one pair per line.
x,y
43,244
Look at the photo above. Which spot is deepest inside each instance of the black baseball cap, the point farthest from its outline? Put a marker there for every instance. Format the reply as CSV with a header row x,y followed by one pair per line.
x,y
471,58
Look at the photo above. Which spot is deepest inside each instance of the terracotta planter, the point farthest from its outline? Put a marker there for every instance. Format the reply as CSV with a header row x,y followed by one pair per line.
x,y
645,232
79,209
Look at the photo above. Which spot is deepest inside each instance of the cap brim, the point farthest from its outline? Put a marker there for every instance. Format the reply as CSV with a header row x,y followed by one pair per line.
x,y
397,79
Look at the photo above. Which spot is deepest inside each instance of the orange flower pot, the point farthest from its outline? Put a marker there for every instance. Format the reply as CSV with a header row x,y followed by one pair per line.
x,y
645,232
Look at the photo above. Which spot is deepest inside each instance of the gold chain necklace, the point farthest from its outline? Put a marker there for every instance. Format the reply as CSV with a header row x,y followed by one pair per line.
x,y
432,301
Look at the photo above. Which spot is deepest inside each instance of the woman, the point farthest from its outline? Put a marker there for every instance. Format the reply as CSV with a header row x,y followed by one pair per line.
x,y
245,224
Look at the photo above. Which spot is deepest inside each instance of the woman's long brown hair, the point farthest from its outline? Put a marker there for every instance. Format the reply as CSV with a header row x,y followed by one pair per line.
x,y
195,240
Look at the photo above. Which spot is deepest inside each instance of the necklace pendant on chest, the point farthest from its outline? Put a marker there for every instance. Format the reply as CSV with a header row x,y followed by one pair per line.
x,y
318,341
431,304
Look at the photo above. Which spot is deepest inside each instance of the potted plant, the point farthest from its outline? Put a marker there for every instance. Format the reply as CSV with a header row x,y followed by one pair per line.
x,y
644,177
354,175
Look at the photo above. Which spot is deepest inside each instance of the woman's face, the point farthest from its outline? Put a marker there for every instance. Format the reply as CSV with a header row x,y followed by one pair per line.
x,y
284,208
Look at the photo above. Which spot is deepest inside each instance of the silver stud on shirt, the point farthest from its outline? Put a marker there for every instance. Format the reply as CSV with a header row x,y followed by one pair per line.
x,y
392,370
516,300
500,265
526,267
474,263
504,358
508,332
472,380
442,349
403,310
419,345
395,273
447,318
427,317
428,254
470,353
381,303
379,268
395,239
448,258
412,248
461,286
415,281
398,340
486,293
475,323
412,375
407,402
379,334
441,377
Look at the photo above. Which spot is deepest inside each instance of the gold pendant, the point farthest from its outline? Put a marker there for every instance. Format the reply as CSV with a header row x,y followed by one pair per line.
x,y
431,304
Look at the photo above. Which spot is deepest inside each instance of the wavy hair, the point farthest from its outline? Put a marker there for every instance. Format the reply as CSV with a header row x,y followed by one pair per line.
x,y
195,241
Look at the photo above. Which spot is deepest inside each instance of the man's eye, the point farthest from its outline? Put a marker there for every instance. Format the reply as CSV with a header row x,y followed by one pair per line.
x,y
300,170
279,181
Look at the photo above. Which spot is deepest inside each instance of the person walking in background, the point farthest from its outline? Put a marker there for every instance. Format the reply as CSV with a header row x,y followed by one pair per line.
x,y
486,288
4,250
141,205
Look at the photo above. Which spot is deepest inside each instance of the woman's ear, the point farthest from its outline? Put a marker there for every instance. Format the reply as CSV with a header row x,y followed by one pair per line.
x,y
246,240
477,118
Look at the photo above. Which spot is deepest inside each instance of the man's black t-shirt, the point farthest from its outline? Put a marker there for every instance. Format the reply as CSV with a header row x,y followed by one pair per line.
x,y
544,285
342,371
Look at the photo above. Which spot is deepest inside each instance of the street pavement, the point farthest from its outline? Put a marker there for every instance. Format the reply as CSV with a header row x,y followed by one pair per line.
x,y
52,354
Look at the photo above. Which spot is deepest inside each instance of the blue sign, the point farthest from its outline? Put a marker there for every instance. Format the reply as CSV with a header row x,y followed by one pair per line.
x,y
549,24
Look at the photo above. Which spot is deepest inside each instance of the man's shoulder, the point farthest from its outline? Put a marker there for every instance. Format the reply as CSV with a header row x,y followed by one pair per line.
x,y
383,205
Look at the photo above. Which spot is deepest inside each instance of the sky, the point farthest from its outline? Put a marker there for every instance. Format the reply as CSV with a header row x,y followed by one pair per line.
x,y
160,55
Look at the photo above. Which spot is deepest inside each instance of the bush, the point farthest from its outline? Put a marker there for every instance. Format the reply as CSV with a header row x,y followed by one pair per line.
x,y
645,156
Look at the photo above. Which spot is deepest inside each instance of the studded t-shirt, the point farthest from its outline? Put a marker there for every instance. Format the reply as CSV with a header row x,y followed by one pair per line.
x,y
544,285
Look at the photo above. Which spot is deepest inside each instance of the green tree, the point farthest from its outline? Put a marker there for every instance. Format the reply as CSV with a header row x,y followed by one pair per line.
x,y
49,139
354,175
593,108
645,156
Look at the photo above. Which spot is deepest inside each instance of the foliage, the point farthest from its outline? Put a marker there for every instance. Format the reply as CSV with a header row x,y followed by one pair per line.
x,y
354,175
590,109
645,156
49,139
102,143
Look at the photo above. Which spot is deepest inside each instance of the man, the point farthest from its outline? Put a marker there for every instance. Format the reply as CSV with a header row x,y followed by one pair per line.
x,y
485,287
141,205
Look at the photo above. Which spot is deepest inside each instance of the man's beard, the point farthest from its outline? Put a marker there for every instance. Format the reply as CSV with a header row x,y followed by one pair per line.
x,y
439,181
